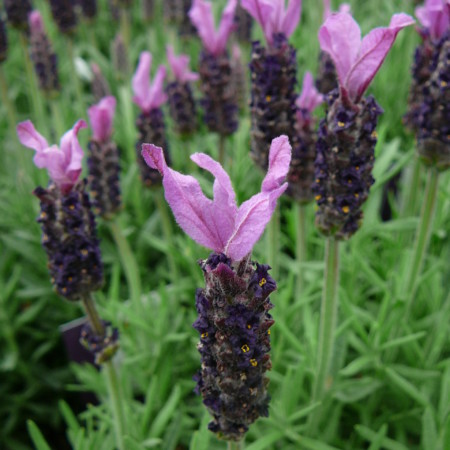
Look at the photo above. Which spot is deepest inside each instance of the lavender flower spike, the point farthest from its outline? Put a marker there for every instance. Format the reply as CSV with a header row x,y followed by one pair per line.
x,y
181,100
233,319
150,97
67,222
273,17
301,174
219,101
347,136
357,61
103,161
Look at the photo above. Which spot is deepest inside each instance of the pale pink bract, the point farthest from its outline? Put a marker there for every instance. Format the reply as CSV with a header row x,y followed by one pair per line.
x,y
309,99
357,61
273,16
180,66
201,16
219,224
101,117
63,163
435,17
36,22
148,95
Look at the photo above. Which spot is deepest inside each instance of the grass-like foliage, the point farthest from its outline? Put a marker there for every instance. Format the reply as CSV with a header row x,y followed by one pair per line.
x,y
389,382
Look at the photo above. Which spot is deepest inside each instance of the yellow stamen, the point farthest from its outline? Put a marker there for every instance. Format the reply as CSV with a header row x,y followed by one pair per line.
x,y
84,252
249,326
71,207
268,332
318,197
345,209
253,362
262,282
443,83
374,134
205,334
268,98
245,348
341,124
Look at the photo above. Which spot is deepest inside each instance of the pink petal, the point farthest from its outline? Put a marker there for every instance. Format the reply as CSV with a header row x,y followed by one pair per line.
x,y
192,210
36,22
224,197
326,9
374,49
29,137
291,17
344,8
180,66
226,27
202,17
261,11
252,217
279,160
340,37
141,81
101,117
157,96
438,16
310,98
54,160
72,151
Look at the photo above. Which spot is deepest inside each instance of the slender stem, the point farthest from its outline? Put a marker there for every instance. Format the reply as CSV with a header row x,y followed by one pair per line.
x,y
92,315
222,150
167,230
413,188
233,445
125,26
300,246
114,390
272,244
327,327
115,395
422,236
36,102
129,264
57,117
7,102
75,80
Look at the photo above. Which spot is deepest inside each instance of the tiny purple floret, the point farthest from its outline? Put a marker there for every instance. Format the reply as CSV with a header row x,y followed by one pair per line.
x,y
101,117
273,16
148,95
219,224
63,163
357,61
201,16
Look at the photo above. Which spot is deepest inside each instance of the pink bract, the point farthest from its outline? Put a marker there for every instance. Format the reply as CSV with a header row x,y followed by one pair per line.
x,y
309,99
273,17
63,163
101,117
357,61
36,22
219,224
343,7
148,95
201,16
435,17
180,66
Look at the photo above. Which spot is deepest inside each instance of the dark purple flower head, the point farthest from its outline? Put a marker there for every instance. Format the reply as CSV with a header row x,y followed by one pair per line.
x,y
103,347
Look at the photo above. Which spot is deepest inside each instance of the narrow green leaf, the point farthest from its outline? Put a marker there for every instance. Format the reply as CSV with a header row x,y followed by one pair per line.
x,y
377,441
403,340
36,436
353,390
265,441
357,366
304,412
201,438
387,443
166,413
407,387
68,415
429,432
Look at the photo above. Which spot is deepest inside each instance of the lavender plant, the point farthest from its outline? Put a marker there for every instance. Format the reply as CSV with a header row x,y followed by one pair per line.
x,y
43,56
345,155
17,12
180,98
103,161
64,15
99,85
219,102
150,123
233,307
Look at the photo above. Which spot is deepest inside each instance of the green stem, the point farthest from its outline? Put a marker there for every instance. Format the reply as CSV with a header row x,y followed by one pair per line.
x,y
327,327
115,396
300,253
422,237
10,110
233,445
167,230
57,117
114,390
272,245
222,150
125,26
413,189
92,315
129,264
36,102
75,80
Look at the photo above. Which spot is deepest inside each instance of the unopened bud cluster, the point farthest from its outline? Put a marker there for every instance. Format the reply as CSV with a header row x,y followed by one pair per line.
x,y
233,322
326,75
182,106
70,240
17,12
64,15
344,163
